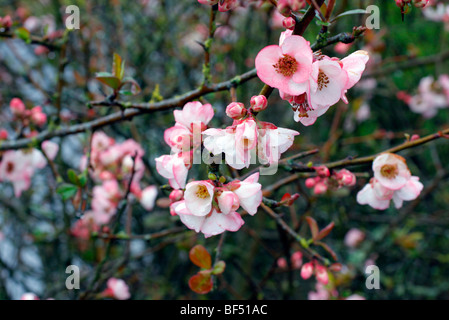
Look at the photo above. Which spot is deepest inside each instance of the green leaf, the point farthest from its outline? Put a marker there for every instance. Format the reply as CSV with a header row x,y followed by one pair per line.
x,y
118,66
219,268
73,178
82,179
201,282
67,191
348,13
200,257
23,34
108,79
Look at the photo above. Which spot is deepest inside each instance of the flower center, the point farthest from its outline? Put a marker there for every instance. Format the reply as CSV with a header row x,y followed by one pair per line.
x,y
389,171
10,167
302,106
286,66
202,192
323,80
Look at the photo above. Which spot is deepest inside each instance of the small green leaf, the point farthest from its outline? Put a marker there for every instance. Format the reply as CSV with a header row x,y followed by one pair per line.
x,y
108,79
67,191
23,34
219,268
82,179
118,66
73,178
200,257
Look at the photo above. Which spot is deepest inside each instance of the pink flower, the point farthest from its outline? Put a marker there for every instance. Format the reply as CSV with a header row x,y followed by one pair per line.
x,y
249,193
173,168
286,67
198,197
228,202
296,259
178,137
37,116
117,289
194,113
105,201
307,270
212,224
354,237
148,197
391,171
50,148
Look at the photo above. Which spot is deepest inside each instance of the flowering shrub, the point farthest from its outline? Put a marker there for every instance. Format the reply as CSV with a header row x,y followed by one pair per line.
x,y
186,151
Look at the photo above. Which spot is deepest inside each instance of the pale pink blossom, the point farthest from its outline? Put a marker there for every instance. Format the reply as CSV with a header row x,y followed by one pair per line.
x,y
286,67
228,202
117,289
29,296
148,197
249,193
391,171
354,237
198,197
173,168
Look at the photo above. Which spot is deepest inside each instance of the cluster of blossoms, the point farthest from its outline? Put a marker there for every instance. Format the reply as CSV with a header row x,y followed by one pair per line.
x,y
325,180
223,5
315,268
311,82
183,138
5,22
248,137
113,165
432,95
18,166
27,117
392,181
210,207
295,260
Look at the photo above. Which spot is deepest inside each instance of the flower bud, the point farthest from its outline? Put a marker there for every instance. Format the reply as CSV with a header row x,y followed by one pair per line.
x,y
296,5
321,274
236,110
17,106
322,171
258,103
320,188
307,270
310,182
289,23
176,195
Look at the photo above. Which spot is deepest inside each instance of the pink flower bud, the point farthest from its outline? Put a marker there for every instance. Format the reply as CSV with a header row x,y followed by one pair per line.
x,y
414,137
307,270
296,259
282,263
17,106
3,134
354,237
322,171
37,116
209,2
259,103
6,22
176,195
346,177
310,182
321,274
320,188
236,110
289,23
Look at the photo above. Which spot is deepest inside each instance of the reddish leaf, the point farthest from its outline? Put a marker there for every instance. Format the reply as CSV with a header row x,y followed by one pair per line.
x,y
313,226
200,257
201,282
328,249
324,232
286,197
